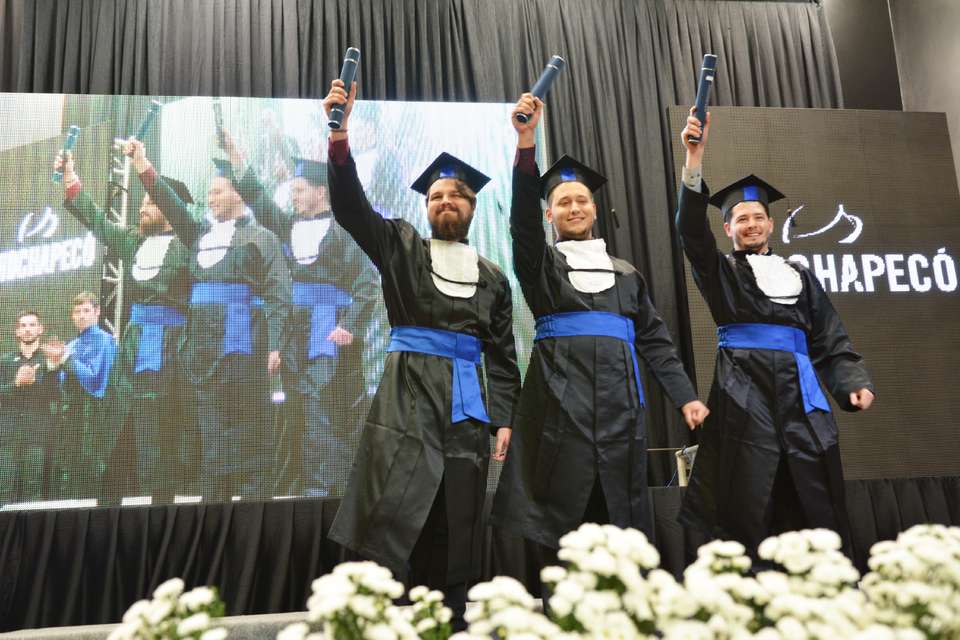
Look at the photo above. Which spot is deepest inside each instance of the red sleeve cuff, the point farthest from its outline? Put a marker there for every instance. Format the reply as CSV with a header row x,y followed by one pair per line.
x,y
149,177
526,160
339,151
73,190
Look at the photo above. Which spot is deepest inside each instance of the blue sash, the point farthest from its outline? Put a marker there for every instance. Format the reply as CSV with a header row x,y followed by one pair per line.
x,y
237,336
779,338
153,318
592,323
324,299
464,350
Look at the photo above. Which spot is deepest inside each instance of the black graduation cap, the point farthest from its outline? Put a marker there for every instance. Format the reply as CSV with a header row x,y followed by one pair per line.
x,y
223,169
180,189
747,189
447,166
567,169
313,171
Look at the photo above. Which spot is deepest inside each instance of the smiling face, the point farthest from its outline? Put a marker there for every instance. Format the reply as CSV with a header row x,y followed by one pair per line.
x,y
224,201
572,211
308,201
749,226
449,210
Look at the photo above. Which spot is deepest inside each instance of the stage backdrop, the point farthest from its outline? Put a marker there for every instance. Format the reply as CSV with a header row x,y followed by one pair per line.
x,y
873,210
47,256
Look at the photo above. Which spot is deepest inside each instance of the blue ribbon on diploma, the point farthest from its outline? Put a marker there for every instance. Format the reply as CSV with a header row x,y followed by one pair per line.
x,y
153,320
592,323
324,299
238,300
778,338
464,350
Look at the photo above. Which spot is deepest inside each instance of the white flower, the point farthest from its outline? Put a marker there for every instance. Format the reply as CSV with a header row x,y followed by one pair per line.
x,y
295,631
379,631
169,589
218,633
125,631
196,622
199,597
418,592
560,606
553,574
158,611
137,611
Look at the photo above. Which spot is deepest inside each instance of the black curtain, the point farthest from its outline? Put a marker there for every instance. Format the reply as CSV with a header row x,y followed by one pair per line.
x,y
627,60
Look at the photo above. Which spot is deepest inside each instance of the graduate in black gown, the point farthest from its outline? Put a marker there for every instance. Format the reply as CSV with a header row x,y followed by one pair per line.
x,y
417,487
239,303
335,288
149,385
579,445
769,456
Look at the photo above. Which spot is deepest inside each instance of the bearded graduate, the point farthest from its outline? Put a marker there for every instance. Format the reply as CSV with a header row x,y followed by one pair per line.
x,y
416,490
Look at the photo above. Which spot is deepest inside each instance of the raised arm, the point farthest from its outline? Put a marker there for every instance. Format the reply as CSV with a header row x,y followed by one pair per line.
x,y
526,216
118,237
170,205
375,236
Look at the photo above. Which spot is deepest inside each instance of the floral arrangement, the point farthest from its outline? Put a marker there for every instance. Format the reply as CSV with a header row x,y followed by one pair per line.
x,y
173,615
355,601
611,588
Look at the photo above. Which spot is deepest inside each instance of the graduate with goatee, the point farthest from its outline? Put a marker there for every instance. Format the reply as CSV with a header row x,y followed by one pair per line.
x,y
149,386
580,444
418,484
769,456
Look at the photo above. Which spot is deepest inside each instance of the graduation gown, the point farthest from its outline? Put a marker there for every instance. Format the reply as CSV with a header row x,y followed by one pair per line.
x,y
236,426
318,401
144,398
409,442
756,407
580,415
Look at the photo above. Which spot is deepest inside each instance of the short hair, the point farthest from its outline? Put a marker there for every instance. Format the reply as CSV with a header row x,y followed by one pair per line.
x,y
463,188
23,314
86,297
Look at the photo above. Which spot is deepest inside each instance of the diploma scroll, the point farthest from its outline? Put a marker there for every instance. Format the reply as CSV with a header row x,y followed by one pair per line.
x,y
703,90
148,120
67,146
350,61
540,89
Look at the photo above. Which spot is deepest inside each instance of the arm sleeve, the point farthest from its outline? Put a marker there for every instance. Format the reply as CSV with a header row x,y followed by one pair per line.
x,y
526,228
842,369
92,364
500,358
121,239
655,345
361,281
8,373
375,236
264,208
275,287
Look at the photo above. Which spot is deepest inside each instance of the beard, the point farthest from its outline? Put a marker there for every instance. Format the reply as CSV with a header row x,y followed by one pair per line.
x,y
151,228
452,228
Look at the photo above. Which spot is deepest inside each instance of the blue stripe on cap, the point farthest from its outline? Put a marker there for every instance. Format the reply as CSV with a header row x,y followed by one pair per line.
x,y
446,171
750,193
298,170
567,174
